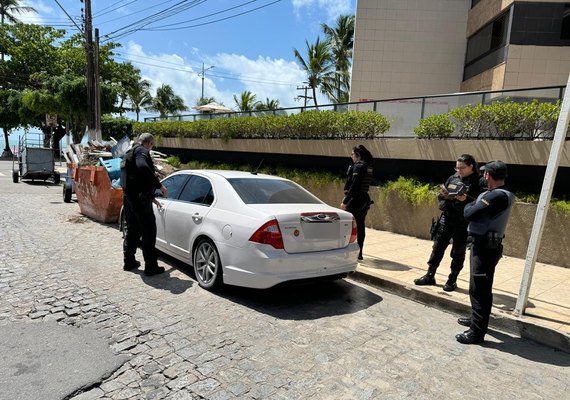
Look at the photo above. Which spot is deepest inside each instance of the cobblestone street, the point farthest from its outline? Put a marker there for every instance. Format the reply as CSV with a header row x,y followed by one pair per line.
x,y
338,340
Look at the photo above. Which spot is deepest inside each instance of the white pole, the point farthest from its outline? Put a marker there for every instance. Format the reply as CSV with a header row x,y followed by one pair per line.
x,y
543,202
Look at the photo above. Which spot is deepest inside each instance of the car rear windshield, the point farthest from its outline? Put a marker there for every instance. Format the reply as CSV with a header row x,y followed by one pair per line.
x,y
271,191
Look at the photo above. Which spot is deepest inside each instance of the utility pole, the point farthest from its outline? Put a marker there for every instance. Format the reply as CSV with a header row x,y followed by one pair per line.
x,y
97,88
202,76
92,76
304,96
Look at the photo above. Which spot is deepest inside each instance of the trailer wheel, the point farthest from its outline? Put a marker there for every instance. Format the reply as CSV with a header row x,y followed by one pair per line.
x,y
15,176
56,178
67,193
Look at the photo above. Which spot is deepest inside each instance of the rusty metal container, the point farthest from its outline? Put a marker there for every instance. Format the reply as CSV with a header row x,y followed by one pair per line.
x,y
96,197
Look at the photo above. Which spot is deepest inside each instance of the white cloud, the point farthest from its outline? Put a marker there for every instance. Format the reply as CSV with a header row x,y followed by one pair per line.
x,y
333,8
41,8
232,73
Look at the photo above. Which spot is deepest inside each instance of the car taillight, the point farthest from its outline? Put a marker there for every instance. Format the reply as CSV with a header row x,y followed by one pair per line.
x,y
353,231
269,233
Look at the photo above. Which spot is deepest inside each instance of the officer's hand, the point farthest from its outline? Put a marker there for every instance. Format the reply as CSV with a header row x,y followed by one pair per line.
x,y
164,191
343,206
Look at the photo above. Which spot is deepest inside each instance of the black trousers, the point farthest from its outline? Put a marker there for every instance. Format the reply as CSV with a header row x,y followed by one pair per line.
x,y
140,223
483,262
449,229
359,207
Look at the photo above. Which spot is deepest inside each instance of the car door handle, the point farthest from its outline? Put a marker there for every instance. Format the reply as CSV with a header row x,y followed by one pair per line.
x,y
197,217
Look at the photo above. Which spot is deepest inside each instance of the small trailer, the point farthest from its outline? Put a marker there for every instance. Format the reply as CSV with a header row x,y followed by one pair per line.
x,y
34,160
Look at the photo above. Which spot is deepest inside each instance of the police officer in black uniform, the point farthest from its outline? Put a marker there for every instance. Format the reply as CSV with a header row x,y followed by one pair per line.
x,y
460,188
139,183
488,217
356,198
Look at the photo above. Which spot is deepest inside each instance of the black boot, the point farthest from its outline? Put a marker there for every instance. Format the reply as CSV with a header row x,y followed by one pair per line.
x,y
427,279
451,283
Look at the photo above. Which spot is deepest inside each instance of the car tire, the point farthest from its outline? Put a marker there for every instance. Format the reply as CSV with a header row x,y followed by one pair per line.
x,y
15,176
67,193
56,178
207,265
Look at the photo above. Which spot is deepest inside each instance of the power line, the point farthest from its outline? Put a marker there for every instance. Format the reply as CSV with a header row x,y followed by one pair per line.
x,y
118,6
209,15
212,22
69,16
166,13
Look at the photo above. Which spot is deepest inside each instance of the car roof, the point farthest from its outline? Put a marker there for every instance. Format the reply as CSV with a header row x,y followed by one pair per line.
x,y
227,173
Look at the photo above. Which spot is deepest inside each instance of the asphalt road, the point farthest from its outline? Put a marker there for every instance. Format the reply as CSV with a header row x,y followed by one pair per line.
x,y
340,340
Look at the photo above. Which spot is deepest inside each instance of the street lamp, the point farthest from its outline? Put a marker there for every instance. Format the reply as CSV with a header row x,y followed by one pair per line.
x,y
202,76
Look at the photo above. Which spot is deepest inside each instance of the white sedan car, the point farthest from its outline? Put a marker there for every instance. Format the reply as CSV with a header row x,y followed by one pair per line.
x,y
241,228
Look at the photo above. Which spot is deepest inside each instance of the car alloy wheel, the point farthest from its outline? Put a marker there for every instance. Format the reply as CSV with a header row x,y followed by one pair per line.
x,y
207,266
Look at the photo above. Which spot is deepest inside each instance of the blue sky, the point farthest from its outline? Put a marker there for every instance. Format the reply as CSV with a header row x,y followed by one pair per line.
x,y
252,51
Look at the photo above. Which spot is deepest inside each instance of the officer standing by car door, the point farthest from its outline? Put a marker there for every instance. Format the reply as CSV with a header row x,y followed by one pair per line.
x,y
488,217
139,183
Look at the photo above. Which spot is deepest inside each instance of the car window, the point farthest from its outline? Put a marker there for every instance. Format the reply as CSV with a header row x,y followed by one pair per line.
x,y
174,184
198,190
271,191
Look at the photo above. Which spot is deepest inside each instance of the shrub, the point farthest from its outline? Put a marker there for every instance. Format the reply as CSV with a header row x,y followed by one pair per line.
x,y
472,121
434,126
306,125
116,127
174,161
412,190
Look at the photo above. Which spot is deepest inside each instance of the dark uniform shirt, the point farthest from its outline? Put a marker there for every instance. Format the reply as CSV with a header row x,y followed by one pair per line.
x,y
490,212
358,180
137,173
452,208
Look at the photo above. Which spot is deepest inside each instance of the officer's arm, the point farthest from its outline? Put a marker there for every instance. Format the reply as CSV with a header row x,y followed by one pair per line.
x,y
144,169
357,177
489,205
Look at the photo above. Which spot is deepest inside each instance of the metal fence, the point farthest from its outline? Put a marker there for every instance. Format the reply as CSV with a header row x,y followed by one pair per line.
x,y
403,113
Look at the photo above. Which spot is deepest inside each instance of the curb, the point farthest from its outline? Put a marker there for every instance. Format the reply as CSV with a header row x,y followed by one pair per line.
x,y
499,320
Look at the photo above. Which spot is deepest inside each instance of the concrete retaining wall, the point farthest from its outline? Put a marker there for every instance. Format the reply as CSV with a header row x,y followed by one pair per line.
x,y
393,214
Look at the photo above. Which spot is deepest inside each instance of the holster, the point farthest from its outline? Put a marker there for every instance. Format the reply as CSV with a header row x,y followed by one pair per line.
x,y
491,241
435,225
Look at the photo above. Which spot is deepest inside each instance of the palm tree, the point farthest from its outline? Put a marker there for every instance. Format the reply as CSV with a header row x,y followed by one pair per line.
x,y
139,96
167,102
267,105
7,10
202,101
246,101
318,65
341,41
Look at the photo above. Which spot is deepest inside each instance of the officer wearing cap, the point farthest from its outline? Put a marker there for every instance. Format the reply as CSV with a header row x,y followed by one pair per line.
x,y
487,217
460,188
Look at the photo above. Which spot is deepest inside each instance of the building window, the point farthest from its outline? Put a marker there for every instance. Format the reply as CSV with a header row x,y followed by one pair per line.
x,y
474,3
487,47
491,37
565,31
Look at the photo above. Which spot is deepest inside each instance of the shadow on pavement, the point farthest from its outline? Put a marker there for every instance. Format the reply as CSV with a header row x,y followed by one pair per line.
x,y
379,263
164,281
304,301
527,349
299,300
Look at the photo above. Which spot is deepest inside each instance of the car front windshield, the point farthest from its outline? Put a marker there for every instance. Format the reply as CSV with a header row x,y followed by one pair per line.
x,y
271,191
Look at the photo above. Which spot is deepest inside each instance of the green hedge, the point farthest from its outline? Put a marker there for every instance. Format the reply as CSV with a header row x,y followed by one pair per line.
x,y
117,127
501,119
306,125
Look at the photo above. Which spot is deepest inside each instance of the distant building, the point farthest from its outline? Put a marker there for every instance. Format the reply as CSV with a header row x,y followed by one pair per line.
x,y
423,47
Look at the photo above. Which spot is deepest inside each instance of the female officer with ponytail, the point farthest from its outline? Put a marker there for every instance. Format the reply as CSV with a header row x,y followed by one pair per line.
x,y
356,199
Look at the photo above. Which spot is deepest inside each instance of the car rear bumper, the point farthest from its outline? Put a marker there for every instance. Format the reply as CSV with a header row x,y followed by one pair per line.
x,y
261,267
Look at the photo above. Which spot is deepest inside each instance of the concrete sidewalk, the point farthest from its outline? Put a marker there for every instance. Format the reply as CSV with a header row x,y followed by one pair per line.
x,y
393,261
